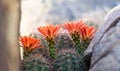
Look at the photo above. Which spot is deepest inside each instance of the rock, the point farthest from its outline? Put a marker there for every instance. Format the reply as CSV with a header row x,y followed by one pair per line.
x,y
105,46
42,12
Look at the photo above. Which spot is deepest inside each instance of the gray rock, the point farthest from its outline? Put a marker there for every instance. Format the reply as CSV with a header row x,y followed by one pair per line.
x,y
105,46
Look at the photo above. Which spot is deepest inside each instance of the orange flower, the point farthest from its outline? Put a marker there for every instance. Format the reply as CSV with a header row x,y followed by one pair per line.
x,y
49,31
73,26
29,43
87,32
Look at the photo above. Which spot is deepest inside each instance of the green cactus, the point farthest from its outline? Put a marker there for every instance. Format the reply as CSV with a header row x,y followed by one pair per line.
x,y
52,49
44,51
63,41
68,62
48,45
66,58
76,39
35,64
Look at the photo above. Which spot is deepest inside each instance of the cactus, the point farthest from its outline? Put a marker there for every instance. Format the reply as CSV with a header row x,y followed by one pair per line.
x,y
68,62
44,51
60,51
35,64
76,39
63,41
50,32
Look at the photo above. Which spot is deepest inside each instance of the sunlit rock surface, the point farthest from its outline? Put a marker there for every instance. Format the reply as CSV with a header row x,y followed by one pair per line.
x,y
43,12
106,44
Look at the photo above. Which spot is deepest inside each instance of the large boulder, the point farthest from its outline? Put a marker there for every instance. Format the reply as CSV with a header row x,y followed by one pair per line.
x,y
105,46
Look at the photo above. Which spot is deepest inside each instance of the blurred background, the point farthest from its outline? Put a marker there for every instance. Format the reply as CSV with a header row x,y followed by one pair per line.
x,y
43,12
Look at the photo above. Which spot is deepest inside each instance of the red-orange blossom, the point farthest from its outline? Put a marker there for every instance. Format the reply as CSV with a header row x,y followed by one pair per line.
x,y
87,32
73,26
29,43
49,31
